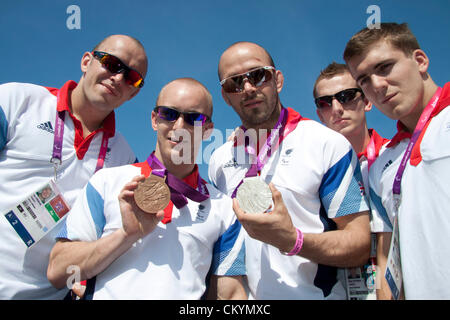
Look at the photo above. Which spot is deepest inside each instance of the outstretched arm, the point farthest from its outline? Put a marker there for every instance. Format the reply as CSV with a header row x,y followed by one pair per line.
x,y
92,257
348,246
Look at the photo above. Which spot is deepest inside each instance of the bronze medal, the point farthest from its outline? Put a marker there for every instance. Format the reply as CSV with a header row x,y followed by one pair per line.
x,y
152,194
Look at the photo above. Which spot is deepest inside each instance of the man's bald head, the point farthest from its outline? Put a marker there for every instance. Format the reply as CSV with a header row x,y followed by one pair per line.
x,y
243,48
186,86
133,45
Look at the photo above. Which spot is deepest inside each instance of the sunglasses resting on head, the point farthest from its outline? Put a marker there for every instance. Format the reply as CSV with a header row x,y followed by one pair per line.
x,y
257,77
171,115
115,65
343,97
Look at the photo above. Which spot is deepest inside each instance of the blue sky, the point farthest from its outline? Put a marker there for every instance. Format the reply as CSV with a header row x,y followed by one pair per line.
x,y
186,39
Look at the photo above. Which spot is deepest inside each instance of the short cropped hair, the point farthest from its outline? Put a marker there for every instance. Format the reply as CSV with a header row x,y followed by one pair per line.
x,y
193,82
332,70
398,35
271,62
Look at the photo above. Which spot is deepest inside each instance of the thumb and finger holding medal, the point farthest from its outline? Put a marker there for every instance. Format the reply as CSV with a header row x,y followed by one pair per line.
x,y
135,202
255,197
152,195
270,226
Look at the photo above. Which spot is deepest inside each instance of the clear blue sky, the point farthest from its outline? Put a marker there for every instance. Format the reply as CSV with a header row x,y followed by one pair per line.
x,y
186,38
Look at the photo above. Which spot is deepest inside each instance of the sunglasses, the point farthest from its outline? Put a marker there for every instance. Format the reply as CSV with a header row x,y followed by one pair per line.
x,y
115,65
343,97
256,77
170,114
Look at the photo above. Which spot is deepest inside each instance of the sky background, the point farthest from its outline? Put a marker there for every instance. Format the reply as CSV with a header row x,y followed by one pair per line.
x,y
186,39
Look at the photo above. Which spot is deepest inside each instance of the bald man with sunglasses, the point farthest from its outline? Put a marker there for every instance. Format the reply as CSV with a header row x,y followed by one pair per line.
x,y
342,106
58,138
318,220
127,250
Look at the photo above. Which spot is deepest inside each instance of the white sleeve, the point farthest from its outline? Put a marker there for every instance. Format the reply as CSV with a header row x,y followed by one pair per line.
x,y
86,220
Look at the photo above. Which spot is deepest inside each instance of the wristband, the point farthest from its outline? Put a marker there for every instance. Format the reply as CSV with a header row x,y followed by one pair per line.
x,y
298,244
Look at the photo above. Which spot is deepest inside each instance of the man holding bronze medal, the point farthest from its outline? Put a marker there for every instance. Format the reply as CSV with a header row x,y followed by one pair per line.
x,y
57,138
152,230
316,218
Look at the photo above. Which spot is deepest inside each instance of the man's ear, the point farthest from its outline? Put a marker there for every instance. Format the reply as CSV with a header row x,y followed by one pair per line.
x,y
154,125
421,58
367,104
225,97
85,61
207,130
279,78
319,114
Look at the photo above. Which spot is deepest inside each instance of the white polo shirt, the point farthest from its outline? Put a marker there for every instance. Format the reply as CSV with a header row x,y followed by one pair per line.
x,y
27,124
173,260
318,175
424,219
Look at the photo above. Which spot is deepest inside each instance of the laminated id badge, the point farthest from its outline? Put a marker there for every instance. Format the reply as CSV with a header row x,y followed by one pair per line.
x,y
37,214
393,273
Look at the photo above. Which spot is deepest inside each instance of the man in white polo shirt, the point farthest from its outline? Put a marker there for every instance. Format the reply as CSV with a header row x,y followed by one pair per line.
x,y
342,106
319,219
409,181
75,128
127,253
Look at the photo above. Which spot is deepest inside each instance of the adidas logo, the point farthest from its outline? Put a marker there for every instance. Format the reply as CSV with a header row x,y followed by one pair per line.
x,y
47,126
386,165
231,163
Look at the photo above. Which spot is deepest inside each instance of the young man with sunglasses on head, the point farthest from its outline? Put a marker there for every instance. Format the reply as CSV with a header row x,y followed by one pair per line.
x,y
131,253
342,106
60,135
409,181
319,219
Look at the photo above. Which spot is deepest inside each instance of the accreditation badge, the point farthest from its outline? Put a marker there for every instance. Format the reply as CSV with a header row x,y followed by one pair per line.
x,y
360,281
37,214
393,273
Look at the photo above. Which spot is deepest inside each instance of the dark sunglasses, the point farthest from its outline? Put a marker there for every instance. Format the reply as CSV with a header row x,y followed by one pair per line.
x,y
235,84
115,65
170,114
343,96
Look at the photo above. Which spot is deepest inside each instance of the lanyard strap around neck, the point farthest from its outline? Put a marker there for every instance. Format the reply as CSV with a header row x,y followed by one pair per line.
x,y
425,116
56,159
270,146
179,190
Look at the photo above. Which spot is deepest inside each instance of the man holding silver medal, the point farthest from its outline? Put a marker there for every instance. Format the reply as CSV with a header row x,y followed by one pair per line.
x,y
75,127
318,219
152,230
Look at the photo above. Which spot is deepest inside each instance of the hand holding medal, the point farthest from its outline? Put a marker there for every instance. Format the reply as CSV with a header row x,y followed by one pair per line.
x,y
275,228
136,222
254,195
152,194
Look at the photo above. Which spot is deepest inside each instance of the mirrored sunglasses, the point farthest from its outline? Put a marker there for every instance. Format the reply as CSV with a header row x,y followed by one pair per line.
x,y
115,65
170,114
256,77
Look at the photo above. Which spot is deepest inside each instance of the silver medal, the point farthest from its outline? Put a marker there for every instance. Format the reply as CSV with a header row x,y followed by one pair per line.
x,y
254,195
